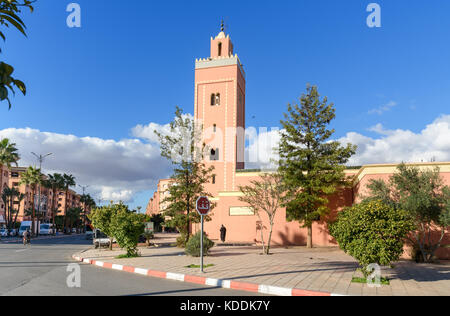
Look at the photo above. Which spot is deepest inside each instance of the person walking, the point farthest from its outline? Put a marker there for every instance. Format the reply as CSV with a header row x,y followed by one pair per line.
x,y
223,233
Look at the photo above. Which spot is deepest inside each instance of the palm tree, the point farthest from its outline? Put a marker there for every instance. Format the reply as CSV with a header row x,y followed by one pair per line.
x,y
54,182
69,181
88,204
8,153
8,196
32,177
8,156
20,198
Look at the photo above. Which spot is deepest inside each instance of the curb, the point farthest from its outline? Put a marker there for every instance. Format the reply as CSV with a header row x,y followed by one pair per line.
x,y
227,284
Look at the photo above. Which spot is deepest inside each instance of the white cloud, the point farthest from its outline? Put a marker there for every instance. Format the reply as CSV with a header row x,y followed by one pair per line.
x,y
395,146
261,149
383,108
117,170
391,146
147,132
114,170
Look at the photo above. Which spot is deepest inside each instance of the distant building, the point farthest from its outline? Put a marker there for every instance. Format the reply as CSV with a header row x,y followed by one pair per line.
x,y
12,180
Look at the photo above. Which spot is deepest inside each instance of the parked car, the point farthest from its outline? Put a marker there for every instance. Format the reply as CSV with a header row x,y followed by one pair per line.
x,y
3,232
46,229
100,239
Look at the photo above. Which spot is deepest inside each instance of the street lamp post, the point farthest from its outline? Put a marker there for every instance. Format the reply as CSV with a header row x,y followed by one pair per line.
x,y
84,206
40,158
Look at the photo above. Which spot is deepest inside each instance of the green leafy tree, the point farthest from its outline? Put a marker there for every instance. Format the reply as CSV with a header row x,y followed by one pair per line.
x,y
423,195
311,164
182,147
372,232
9,17
32,177
54,182
127,226
101,219
264,196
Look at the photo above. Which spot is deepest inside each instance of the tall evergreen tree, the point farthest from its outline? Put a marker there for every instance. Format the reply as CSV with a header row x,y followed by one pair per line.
x,y
311,164
182,146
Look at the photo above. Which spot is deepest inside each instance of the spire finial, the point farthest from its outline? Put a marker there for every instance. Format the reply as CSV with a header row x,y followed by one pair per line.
x,y
222,26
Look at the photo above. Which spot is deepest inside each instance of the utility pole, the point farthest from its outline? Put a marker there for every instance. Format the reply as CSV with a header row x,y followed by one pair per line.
x,y
40,159
84,206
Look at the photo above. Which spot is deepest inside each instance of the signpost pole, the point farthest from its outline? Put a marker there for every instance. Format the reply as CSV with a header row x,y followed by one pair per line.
x,y
201,247
203,207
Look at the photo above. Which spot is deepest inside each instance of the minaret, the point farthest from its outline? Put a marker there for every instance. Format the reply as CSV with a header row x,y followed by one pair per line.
x,y
220,107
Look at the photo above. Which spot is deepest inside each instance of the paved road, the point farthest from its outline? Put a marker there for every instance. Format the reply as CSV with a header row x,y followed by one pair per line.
x,y
41,269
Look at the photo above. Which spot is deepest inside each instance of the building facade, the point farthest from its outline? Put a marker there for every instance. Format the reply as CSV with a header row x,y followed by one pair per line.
x,y
46,198
220,107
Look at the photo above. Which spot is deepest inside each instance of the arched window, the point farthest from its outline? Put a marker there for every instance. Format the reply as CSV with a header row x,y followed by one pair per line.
x,y
215,99
220,49
214,128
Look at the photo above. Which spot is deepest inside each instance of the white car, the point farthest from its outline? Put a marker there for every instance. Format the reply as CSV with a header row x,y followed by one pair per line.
x,y
3,232
45,229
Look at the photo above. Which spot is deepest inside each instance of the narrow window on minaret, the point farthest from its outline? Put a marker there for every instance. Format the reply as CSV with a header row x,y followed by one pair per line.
x,y
214,128
214,154
220,49
214,179
213,99
218,99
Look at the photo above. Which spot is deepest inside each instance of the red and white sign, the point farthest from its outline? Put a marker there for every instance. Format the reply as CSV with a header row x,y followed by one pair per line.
x,y
203,205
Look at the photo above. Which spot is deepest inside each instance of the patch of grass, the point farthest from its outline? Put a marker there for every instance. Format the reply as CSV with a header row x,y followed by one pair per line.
x,y
198,266
384,281
125,256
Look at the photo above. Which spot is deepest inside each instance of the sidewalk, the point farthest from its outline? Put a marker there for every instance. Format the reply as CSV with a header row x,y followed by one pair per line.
x,y
293,270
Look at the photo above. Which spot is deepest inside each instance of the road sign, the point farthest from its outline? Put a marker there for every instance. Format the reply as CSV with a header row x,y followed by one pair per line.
x,y
203,205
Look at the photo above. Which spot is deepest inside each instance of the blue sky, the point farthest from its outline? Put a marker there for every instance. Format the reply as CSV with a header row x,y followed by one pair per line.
x,y
132,63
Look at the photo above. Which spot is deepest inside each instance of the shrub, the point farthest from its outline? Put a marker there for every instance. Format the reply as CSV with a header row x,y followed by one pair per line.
x,y
193,245
372,232
127,227
181,241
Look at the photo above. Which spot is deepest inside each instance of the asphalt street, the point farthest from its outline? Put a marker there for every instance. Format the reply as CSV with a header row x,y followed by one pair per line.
x,y
41,269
